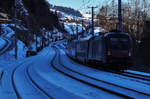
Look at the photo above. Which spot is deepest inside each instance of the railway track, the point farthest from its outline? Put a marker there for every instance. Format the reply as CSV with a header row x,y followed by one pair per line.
x,y
42,90
14,85
135,75
4,48
107,86
31,82
131,76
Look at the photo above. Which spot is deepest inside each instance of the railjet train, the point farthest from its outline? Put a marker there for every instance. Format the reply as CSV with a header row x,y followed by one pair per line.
x,y
110,49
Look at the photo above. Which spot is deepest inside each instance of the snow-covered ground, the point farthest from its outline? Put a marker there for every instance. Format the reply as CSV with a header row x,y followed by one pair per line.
x,y
58,85
115,79
35,77
2,43
7,30
72,28
50,83
53,83
137,72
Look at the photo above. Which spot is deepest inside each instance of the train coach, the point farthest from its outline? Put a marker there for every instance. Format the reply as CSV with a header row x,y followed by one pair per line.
x,y
112,48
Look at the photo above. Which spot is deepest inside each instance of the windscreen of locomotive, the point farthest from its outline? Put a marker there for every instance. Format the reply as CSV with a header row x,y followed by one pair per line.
x,y
119,43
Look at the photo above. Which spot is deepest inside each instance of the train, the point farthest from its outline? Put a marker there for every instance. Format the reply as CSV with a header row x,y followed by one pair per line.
x,y
113,49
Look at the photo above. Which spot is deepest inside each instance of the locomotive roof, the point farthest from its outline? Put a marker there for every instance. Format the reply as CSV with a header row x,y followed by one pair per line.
x,y
112,33
86,38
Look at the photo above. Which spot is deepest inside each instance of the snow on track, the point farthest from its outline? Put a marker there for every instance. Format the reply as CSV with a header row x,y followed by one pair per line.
x,y
138,73
2,43
24,87
67,87
108,78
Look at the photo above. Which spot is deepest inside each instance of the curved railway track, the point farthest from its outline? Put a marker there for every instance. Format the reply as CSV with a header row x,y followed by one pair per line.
x,y
85,82
14,85
4,48
42,90
30,80
133,76
89,80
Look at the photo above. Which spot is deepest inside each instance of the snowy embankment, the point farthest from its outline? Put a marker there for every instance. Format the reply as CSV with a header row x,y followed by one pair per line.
x,y
138,73
58,85
8,60
7,31
72,28
2,43
127,82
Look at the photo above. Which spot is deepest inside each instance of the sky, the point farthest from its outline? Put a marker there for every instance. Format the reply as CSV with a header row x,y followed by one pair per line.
x,y
81,5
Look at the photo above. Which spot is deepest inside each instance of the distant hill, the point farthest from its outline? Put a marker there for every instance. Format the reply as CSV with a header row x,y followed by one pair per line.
x,y
67,10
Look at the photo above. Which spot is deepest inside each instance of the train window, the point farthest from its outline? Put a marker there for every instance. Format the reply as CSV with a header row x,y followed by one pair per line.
x,y
119,43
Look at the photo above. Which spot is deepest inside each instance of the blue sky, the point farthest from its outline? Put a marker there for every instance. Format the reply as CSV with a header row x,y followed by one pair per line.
x,y
79,4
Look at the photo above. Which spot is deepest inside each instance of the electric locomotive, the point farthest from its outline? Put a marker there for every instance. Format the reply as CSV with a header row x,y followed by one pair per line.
x,y
112,48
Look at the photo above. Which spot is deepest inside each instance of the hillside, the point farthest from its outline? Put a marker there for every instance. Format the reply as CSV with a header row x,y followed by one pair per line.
x,y
34,15
67,10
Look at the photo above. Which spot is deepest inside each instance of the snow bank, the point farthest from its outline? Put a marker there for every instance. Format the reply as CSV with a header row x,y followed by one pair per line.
x,y
2,43
21,50
72,28
7,30
137,72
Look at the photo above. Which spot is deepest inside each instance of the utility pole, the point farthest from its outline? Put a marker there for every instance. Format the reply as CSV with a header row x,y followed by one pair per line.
x,y
113,14
120,15
92,18
113,8
145,2
129,8
82,27
15,21
77,31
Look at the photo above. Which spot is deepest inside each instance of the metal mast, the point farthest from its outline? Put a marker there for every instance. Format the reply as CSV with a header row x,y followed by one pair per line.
x,y
120,16
92,18
113,8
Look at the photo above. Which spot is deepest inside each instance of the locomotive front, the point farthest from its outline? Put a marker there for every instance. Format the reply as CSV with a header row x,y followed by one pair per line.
x,y
119,48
